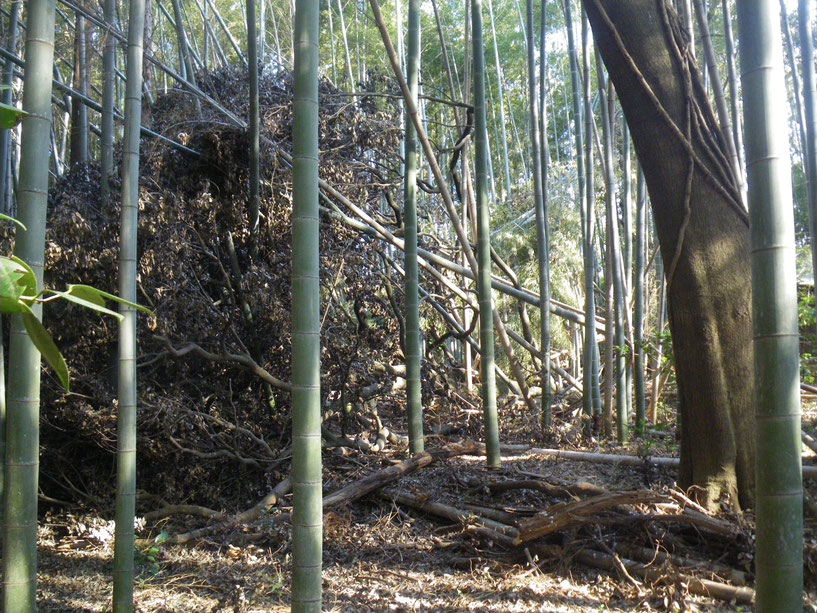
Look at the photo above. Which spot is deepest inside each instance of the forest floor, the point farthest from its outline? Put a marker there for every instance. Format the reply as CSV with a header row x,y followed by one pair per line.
x,y
380,555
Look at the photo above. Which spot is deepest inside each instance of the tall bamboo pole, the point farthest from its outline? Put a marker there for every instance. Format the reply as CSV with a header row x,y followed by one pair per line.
x,y
657,357
607,104
128,268
22,424
345,38
5,172
307,512
737,132
6,98
540,203
254,125
413,384
499,88
588,383
486,328
810,103
108,76
638,315
779,504
799,116
79,112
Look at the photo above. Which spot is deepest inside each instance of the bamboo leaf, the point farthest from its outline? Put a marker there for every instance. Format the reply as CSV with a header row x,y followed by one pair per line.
x,y
11,289
92,305
97,296
45,345
28,279
12,220
10,116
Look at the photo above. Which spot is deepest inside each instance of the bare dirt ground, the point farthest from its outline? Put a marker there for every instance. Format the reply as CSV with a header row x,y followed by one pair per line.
x,y
383,556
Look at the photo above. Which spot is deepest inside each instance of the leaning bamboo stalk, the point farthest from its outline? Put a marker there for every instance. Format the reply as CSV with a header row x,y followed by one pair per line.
x,y
227,32
720,97
92,104
413,112
372,227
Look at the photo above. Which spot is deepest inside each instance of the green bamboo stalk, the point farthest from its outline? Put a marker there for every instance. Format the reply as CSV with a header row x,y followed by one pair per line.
x,y
543,76
6,98
799,115
638,315
79,112
413,385
607,104
737,134
8,75
810,125
486,326
499,89
588,382
779,502
307,513
107,124
123,573
254,123
345,37
540,203
22,424
627,239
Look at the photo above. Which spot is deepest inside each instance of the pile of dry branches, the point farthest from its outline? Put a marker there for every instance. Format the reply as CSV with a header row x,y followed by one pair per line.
x,y
214,361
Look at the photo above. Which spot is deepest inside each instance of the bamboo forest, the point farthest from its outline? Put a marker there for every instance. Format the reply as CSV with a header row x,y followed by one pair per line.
x,y
408,305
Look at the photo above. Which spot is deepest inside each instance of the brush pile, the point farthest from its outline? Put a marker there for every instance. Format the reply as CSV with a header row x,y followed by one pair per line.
x,y
214,408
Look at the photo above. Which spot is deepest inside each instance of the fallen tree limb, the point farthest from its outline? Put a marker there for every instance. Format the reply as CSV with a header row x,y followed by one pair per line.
x,y
809,441
559,516
651,556
183,509
251,514
700,587
545,487
499,532
376,480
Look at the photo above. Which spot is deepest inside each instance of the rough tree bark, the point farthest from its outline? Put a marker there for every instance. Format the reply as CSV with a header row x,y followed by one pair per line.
x,y
704,237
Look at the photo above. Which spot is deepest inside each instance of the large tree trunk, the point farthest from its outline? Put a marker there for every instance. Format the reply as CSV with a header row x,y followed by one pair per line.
x,y
704,236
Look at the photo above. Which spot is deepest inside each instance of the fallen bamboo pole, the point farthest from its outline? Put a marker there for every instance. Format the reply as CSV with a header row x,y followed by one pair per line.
x,y
700,587
809,472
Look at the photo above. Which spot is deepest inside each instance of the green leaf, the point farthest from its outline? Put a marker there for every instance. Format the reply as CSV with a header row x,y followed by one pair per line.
x,y
45,345
14,221
10,116
11,288
28,280
97,296
92,305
